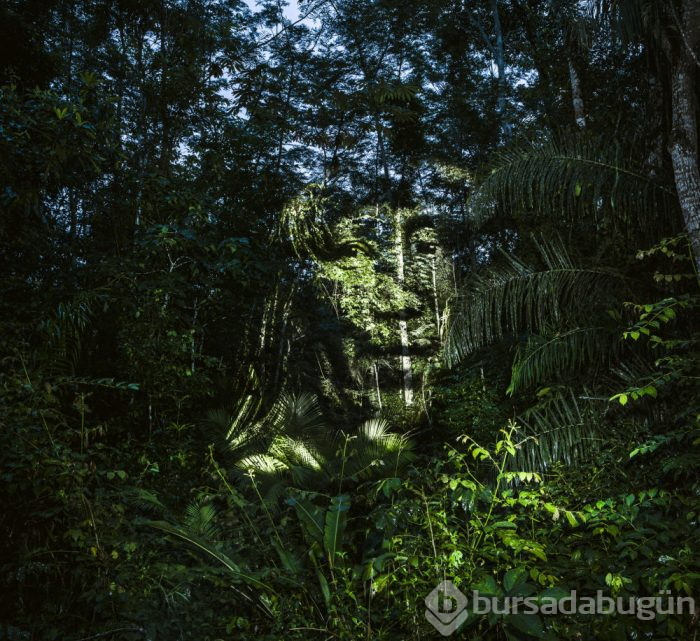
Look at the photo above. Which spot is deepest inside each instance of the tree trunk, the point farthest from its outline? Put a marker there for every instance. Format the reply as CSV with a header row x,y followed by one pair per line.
x,y
283,346
403,325
436,300
193,339
684,135
165,146
376,381
500,59
577,96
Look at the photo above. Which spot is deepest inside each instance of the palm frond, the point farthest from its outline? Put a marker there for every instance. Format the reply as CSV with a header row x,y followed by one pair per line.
x,y
559,428
631,19
272,475
200,520
238,427
296,415
574,176
378,452
304,454
291,414
516,297
293,429
554,355
262,464
297,452
213,551
62,334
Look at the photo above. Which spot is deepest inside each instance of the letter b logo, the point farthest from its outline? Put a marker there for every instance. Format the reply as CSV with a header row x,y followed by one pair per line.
x,y
446,608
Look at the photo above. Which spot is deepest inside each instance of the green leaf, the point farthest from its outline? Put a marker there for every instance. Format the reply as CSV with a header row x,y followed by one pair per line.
x,y
514,577
208,548
336,520
290,562
556,593
487,586
528,623
310,516
325,588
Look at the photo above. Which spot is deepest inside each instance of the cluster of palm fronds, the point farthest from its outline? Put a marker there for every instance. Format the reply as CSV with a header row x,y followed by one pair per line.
x,y
305,224
292,446
555,315
515,298
574,176
301,451
62,334
294,452
559,313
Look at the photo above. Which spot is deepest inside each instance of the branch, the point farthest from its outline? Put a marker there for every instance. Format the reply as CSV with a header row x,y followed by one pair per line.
x,y
105,634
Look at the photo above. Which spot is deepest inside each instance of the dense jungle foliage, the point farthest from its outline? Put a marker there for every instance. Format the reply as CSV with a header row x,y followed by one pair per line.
x,y
305,309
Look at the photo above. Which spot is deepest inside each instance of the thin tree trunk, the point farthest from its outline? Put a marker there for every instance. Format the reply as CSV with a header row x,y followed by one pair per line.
x,y
403,325
684,136
577,96
193,340
436,300
376,382
500,59
141,153
283,342
165,145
